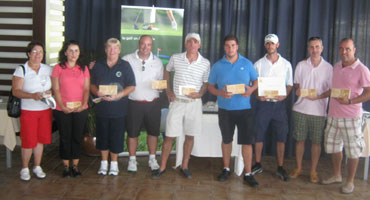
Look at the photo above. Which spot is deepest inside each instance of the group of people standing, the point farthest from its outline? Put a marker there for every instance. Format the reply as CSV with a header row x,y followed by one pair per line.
x,y
136,103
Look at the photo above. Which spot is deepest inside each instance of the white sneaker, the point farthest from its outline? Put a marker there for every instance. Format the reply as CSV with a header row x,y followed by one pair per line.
x,y
153,164
174,25
37,170
25,174
103,168
132,166
113,169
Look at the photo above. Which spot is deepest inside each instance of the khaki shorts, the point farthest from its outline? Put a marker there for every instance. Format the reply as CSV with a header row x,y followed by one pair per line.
x,y
184,118
341,132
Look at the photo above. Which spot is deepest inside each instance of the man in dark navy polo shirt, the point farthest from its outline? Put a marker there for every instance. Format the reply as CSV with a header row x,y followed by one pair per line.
x,y
111,111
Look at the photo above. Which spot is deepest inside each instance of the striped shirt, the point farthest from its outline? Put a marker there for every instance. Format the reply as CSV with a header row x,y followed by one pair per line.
x,y
188,74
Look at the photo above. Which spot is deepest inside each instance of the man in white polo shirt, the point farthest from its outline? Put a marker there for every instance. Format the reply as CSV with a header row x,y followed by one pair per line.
x,y
143,106
309,111
272,111
185,110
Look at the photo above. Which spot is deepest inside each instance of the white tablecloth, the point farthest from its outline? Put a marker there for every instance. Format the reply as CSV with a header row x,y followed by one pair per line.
x,y
208,144
8,127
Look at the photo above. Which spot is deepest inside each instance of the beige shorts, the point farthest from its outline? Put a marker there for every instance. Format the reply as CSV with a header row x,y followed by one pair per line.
x,y
341,132
184,118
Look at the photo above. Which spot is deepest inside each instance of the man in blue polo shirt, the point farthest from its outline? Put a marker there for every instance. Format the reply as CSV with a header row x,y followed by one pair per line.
x,y
235,109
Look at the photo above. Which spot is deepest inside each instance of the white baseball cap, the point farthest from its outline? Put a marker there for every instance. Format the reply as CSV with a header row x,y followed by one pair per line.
x,y
271,38
192,35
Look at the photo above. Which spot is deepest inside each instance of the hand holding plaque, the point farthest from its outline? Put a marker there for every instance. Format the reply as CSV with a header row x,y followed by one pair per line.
x,y
159,85
108,90
73,104
308,92
186,90
340,93
236,88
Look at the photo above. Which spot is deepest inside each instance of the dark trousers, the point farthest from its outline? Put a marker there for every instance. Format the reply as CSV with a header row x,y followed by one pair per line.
x,y
71,130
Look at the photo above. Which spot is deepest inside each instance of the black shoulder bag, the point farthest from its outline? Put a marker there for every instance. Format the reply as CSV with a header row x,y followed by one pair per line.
x,y
14,103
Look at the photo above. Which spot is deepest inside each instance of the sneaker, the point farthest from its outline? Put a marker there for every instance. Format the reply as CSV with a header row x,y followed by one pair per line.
x,y
314,178
281,173
66,172
37,170
295,173
75,172
332,180
132,166
25,174
187,173
153,164
250,180
224,175
103,168
174,25
256,169
348,188
157,173
113,171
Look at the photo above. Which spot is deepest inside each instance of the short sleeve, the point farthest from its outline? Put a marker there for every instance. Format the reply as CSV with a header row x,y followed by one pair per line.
x,y
253,74
365,77
289,75
212,79
170,65
19,72
130,77
206,74
297,74
86,72
56,71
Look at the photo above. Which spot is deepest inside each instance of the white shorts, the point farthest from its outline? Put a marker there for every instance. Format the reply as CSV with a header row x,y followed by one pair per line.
x,y
341,132
184,118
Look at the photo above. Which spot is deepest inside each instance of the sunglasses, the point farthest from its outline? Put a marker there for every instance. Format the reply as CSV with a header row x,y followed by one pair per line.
x,y
143,67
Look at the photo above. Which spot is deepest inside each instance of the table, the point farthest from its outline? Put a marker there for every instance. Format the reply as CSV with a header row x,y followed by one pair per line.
x,y
208,144
366,151
8,127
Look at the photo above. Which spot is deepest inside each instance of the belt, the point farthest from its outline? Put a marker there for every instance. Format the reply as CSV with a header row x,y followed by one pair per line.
x,y
145,101
185,100
271,100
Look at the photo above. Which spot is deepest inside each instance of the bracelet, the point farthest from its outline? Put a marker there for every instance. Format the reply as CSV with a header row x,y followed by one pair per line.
x,y
349,101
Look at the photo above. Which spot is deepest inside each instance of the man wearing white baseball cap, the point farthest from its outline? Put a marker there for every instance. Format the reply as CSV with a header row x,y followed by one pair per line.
x,y
272,111
191,71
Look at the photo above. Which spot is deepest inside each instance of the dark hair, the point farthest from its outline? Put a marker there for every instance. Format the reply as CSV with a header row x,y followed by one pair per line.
x,y
31,45
346,39
313,39
231,37
63,58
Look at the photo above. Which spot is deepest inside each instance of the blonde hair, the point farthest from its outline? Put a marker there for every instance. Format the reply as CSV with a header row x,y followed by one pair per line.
x,y
113,41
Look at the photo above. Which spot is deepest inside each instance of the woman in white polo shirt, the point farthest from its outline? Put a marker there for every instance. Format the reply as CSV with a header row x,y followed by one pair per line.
x,y
31,85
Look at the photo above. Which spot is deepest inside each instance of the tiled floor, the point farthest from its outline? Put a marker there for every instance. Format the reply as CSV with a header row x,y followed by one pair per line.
x,y
170,186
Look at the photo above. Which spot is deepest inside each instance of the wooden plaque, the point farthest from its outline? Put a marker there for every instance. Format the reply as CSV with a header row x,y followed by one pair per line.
x,y
159,85
236,88
108,89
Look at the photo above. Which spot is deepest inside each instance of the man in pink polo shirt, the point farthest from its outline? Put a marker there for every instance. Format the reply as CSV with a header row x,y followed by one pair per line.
x,y
309,111
344,121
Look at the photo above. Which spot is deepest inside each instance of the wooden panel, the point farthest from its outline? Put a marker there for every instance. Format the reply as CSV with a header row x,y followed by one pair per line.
x,y
13,60
6,71
4,93
15,37
15,15
39,16
16,3
13,49
16,26
5,82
